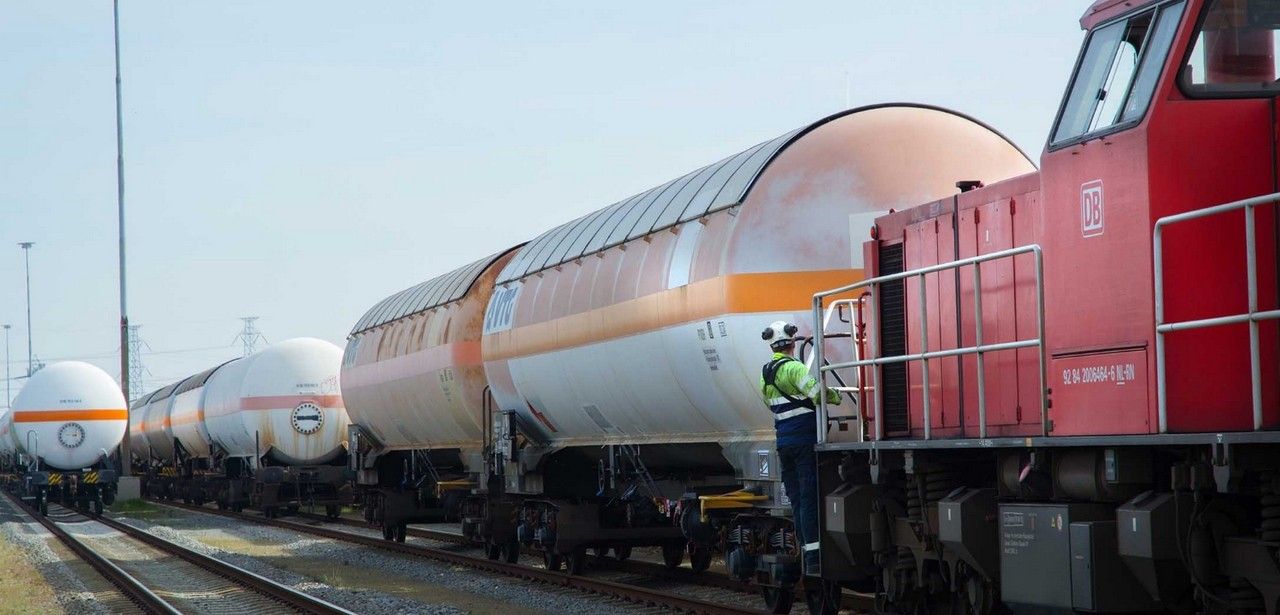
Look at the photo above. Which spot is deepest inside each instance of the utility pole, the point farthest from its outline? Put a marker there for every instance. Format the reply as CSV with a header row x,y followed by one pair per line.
x,y
122,457
26,252
8,382
250,335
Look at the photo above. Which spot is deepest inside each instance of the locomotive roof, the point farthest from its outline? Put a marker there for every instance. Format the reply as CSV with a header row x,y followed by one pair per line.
x,y
435,292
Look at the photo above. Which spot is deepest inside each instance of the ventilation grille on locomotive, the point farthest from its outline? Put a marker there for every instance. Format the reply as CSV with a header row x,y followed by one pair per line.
x,y
893,341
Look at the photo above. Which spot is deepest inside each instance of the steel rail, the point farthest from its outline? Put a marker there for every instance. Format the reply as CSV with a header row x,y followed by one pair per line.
x,y
631,593
283,594
131,588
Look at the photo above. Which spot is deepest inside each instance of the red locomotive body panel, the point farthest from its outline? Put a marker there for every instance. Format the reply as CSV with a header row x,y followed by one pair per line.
x,y
1093,209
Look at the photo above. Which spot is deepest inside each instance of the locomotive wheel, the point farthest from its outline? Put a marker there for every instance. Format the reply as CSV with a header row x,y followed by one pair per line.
x,y
824,599
622,553
700,559
552,560
672,555
778,600
576,563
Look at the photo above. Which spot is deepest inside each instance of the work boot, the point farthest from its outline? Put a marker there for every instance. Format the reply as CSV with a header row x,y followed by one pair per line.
x,y
812,562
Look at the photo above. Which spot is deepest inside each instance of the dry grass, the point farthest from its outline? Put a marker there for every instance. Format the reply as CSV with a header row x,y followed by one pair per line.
x,y
23,588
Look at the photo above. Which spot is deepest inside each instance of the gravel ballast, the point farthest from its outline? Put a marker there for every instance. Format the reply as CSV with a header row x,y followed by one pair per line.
x,y
34,542
363,579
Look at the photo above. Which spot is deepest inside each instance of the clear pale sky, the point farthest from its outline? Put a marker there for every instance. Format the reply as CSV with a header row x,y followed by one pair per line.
x,y
299,161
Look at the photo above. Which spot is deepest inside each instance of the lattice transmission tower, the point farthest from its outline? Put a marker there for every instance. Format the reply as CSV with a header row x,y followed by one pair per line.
x,y
136,369
250,335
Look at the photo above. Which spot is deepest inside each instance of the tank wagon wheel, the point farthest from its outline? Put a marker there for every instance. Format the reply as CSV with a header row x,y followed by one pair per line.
x,y
672,555
823,600
576,563
43,505
492,550
511,552
399,531
387,532
552,560
332,511
700,558
778,600
622,553
97,505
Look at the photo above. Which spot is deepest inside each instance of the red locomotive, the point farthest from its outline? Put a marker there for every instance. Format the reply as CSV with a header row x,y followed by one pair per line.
x,y
1069,379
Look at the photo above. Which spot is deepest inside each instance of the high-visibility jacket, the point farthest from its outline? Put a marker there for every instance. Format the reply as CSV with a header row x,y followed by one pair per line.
x,y
791,393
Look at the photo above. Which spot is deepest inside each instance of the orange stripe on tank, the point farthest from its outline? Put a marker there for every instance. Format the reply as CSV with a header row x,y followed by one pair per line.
x,y
742,293
273,402
51,416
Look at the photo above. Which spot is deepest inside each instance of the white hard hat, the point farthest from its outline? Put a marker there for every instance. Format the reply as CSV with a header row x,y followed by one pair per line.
x,y
780,333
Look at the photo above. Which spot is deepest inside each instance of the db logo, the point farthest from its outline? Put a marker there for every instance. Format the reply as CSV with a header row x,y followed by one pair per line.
x,y
1091,208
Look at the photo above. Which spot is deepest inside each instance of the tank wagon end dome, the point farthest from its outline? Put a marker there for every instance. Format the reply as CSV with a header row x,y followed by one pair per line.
x,y
289,395
71,412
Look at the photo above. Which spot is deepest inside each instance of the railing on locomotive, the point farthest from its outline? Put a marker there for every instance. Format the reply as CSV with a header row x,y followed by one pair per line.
x,y
1252,316
979,348
857,335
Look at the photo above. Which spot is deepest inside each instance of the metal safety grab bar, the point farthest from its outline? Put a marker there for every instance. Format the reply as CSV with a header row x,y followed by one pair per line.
x,y
872,285
1252,316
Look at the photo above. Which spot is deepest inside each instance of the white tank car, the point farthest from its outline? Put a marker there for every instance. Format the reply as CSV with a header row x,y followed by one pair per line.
x,y
641,323
283,402
6,438
137,416
155,424
186,415
71,414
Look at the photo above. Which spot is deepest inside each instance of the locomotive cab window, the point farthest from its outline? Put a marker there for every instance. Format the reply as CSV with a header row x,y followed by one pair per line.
x,y
1117,74
1234,50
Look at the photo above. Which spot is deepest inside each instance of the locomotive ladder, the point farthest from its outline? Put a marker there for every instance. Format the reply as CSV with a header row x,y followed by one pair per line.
x,y
871,286
1252,316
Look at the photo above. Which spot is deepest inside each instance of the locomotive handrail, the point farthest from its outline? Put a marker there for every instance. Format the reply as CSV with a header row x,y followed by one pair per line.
x,y
979,348
1252,316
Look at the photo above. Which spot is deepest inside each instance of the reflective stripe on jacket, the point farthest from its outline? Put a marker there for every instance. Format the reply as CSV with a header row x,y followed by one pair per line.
x,y
791,397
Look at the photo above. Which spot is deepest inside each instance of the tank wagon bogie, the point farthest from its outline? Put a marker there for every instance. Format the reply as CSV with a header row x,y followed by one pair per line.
x,y
266,431
1096,425
56,441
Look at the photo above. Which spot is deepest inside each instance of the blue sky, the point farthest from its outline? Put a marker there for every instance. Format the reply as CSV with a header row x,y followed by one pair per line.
x,y
299,161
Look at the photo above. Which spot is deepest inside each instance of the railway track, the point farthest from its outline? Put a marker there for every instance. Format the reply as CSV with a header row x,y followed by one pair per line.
x,y
164,578
631,592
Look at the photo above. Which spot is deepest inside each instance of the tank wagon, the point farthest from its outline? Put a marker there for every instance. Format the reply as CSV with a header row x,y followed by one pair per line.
x,y
56,441
266,431
1071,385
597,385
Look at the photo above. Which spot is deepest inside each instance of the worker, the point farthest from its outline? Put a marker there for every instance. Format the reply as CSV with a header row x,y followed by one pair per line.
x,y
791,394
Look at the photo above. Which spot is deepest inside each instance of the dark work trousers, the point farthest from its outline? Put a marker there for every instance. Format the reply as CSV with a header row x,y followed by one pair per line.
x,y
800,477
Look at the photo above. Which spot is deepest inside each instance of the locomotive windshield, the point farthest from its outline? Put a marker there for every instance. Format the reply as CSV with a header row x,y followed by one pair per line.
x,y
1234,52
1117,73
